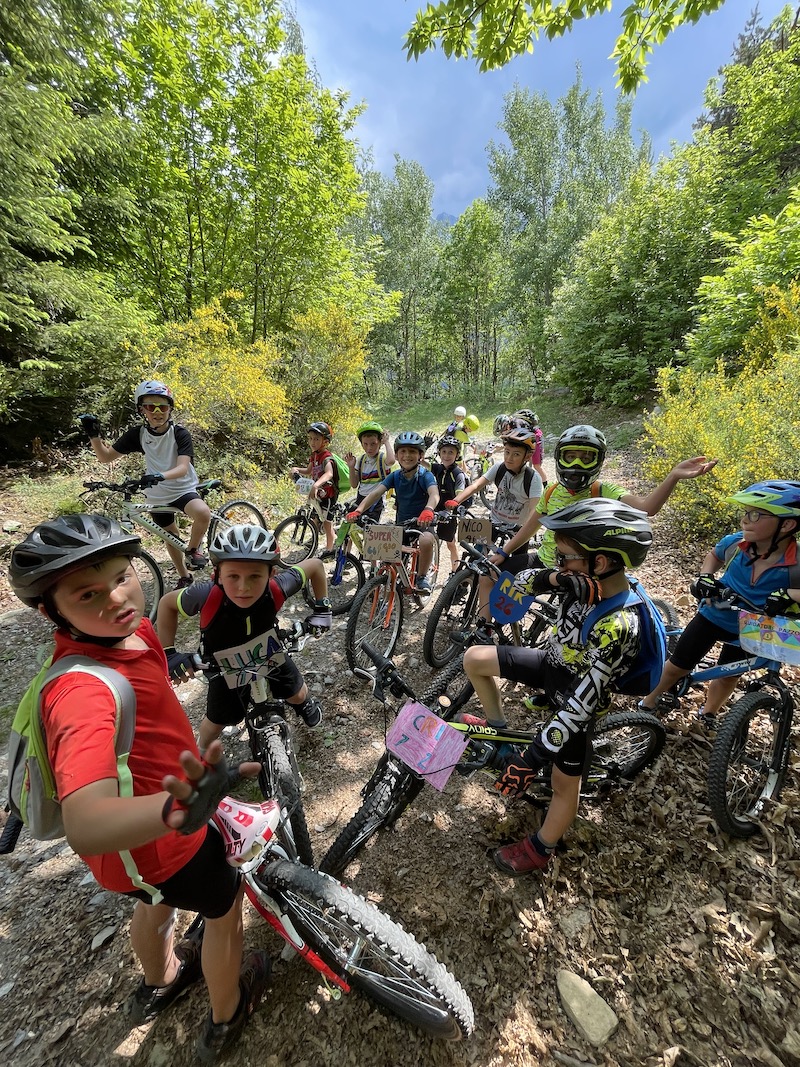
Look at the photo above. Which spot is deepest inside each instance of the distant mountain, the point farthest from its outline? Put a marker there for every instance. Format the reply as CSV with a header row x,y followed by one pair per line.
x,y
444,217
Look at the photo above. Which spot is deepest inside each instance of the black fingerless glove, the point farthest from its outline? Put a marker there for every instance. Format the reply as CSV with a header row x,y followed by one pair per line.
x,y
147,481
519,772
779,603
578,589
208,791
705,587
90,424
180,664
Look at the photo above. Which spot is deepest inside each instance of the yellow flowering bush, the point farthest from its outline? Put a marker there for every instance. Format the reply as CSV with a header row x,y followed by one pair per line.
x,y
747,422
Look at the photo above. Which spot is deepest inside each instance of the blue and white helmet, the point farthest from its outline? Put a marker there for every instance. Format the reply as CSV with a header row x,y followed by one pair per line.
x,y
152,388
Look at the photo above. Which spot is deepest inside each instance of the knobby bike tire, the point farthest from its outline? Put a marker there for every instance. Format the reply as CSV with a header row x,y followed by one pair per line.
x,y
278,779
748,763
454,610
671,621
371,951
236,513
487,494
297,538
376,616
390,789
344,582
624,744
152,581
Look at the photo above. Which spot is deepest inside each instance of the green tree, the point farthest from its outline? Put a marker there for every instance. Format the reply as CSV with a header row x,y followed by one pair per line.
x,y
469,298
404,349
561,169
494,31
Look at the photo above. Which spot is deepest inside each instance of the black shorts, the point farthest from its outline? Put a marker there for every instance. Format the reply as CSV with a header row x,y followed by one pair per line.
x,y
206,884
446,529
528,666
166,518
326,506
226,706
699,638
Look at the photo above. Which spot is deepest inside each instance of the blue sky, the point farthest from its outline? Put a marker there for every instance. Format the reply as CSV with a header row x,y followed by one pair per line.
x,y
443,113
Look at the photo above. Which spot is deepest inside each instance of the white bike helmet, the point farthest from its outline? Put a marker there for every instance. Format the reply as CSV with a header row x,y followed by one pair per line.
x,y
244,542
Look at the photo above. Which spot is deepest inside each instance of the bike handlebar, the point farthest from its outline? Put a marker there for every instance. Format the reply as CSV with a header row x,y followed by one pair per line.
x,y
385,674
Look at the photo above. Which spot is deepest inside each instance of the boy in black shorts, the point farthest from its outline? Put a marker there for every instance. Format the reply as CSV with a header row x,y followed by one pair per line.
x,y
143,833
238,612
596,541
169,455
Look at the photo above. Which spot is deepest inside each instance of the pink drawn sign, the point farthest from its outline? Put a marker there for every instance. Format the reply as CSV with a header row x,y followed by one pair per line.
x,y
425,743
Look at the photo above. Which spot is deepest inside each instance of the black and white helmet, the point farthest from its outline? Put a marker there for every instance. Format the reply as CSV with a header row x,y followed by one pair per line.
x,y
56,548
526,417
601,525
244,542
578,472
449,441
152,388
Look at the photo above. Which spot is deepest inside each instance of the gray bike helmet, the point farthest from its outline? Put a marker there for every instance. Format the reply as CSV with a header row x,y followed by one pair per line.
x,y
152,388
576,476
600,525
409,439
56,548
244,542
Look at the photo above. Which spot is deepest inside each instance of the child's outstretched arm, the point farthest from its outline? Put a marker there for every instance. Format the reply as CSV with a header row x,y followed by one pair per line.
x,y
370,499
465,494
388,448
167,619
654,501
350,460
314,571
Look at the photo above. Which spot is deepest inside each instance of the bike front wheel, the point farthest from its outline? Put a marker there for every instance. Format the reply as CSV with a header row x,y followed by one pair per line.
x,y
623,745
390,790
297,539
366,948
748,763
452,613
235,513
345,578
278,779
376,616
151,580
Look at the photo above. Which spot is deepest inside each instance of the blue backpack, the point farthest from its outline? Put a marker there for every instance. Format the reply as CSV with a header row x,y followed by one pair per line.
x,y
644,673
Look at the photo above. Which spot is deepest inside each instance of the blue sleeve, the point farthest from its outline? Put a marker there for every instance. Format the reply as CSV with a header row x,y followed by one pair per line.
x,y
721,547
427,479
388,481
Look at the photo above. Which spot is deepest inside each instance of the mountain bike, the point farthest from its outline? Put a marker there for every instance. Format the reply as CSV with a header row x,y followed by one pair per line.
x,y
271,741
455,610
624,744
478,465
376,614
349,941
116,500
750,753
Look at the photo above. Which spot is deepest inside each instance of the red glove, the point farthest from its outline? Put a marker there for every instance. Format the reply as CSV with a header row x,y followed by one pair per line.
x,y
352,516
426,516
451,503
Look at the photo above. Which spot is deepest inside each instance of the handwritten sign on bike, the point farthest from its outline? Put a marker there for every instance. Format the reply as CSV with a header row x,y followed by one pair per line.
x,y
775,638
383,543
425,743
475,531
303,486
505,604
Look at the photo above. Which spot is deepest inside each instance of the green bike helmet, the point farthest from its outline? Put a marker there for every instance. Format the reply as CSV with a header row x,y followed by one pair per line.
x,y
777,498
369,427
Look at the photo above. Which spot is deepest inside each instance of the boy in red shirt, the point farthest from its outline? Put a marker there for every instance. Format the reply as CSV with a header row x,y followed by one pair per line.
x,y
322,470
144,834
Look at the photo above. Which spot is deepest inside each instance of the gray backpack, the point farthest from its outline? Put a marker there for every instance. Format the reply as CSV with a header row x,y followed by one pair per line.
x,y
32,795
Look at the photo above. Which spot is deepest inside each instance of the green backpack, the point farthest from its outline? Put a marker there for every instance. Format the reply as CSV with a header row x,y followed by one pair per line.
x,y
31,785
342,474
